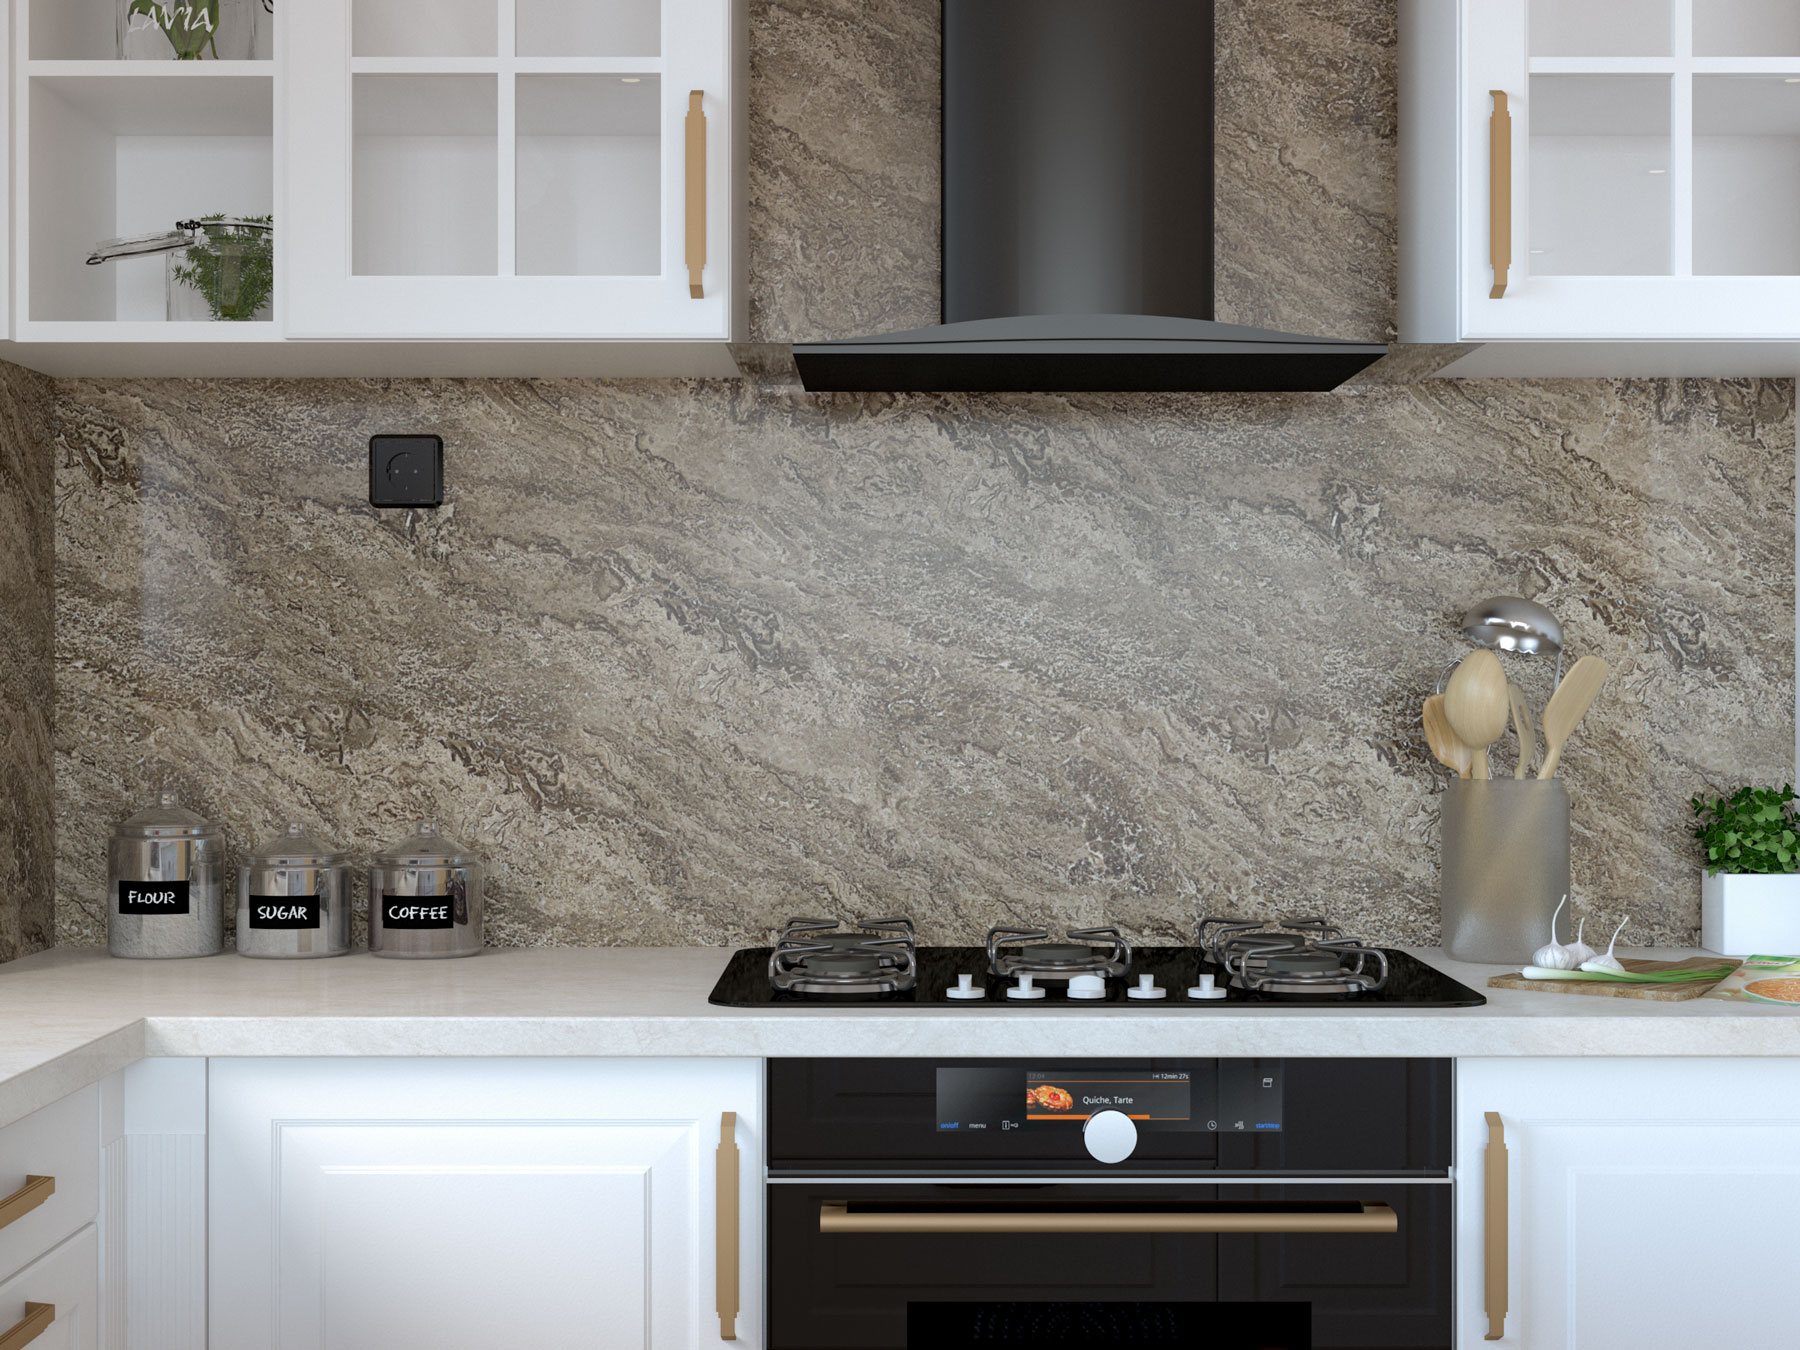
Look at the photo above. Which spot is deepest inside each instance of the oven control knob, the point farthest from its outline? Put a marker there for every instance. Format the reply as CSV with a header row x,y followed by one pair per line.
x,y
1110,1136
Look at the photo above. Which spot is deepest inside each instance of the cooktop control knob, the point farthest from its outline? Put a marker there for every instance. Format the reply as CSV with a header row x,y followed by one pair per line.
x,y
1087,986
1025,989
965,987
1208,988
1110,1136
1147,987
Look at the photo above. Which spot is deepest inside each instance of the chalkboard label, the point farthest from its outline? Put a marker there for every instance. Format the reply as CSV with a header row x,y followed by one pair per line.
x,y
417,911
284,911
153,897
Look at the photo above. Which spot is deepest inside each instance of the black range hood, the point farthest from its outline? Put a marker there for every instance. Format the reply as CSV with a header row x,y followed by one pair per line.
x,y
1078,218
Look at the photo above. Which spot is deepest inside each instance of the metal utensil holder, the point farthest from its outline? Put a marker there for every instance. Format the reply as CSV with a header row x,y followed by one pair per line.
x,y
1505,866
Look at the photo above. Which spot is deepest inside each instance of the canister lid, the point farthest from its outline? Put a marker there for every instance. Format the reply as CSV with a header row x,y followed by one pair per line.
x,y
427,848
294,847
167,820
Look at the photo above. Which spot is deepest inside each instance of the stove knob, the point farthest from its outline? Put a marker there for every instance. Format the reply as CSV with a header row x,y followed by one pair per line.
x,y
1110,1136
965,987
1208,988
1147,987
1087,986
1024,989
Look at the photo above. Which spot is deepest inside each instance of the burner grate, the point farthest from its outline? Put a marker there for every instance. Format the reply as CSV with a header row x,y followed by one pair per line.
x,y
817,956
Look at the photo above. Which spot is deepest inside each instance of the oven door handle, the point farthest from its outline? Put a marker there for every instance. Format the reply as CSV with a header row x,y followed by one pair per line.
x,y
1366,1218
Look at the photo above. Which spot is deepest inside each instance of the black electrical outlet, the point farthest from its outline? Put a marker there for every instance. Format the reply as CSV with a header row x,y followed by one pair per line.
x,y
406,471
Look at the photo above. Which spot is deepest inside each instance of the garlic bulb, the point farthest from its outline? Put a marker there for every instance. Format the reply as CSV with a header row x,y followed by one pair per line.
x,y
1553,955
1609,962
1580,949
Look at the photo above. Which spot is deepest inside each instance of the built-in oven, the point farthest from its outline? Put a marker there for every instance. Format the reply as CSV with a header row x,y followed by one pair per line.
x,y
1267,1204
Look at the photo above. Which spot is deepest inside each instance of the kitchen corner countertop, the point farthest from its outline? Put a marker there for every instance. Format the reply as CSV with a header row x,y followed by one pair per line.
x,y
71,1016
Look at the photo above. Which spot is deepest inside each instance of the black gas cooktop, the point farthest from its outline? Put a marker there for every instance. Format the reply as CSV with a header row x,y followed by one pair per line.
x,y
1409,983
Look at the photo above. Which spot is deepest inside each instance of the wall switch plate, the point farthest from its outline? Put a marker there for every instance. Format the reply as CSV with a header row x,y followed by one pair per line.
x,y
406,471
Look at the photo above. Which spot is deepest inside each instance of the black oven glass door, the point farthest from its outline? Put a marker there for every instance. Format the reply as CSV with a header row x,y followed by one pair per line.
x,y
851,1265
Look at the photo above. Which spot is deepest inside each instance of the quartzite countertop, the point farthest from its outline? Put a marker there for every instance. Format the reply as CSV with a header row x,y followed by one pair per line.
x,y
70,1017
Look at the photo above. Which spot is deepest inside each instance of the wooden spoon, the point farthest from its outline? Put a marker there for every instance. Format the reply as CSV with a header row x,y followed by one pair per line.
x,y
1450,752
1475,701
1567,706
1524,729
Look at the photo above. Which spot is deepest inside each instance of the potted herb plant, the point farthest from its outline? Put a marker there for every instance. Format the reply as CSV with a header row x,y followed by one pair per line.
x,y
1750,879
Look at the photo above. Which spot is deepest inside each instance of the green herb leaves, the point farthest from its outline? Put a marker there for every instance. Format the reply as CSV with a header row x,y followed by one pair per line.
x,y
1750,831
232,266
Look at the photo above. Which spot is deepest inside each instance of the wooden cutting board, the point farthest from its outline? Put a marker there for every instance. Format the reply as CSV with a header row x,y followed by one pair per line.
x,y
1660,993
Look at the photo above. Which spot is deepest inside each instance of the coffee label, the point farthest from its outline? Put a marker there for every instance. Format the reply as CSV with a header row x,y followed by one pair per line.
x,y
284,911
417,911
153,897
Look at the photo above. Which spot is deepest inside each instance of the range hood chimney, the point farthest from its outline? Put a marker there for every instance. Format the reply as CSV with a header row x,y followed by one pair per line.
x,y
1078,217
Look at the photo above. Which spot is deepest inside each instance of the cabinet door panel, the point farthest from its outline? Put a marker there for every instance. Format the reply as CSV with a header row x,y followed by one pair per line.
x,y
1647,1199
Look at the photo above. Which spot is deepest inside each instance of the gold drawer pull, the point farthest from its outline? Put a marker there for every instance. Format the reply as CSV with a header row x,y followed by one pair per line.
x,y
696,193
1499,193
1494,1204
1365,1218
37,1318
726,1217
21,1202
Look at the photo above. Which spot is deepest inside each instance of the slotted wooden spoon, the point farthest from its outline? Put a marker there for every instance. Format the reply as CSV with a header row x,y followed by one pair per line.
x,y
1567,706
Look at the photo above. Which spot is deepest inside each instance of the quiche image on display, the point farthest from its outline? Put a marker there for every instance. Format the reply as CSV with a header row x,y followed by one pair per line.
x,y
1049,1097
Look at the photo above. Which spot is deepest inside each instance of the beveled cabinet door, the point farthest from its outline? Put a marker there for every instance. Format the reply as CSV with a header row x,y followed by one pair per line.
x,y
467,1204
511,169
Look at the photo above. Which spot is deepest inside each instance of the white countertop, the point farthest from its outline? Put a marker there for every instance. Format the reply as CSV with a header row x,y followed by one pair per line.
x,y
70,1017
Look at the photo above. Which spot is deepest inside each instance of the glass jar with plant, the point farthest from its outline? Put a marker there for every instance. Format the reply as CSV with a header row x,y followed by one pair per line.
x,y
187,30
1750,871
227,272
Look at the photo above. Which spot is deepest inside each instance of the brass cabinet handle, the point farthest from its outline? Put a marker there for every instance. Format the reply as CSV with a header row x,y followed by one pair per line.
x,y
1494,1203
1366,1218
37,1319
1499,193
726,1206
28,1197
696,194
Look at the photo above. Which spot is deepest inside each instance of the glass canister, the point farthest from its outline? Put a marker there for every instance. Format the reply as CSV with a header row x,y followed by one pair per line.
x,y
425,898
187,30
293,898
164,875
216,268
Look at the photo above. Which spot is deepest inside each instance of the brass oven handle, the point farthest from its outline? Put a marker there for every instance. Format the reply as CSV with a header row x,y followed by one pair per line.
x,y
28,1197
37,1319
1494,1207
726,1218
1499,193
1369,1218
696,193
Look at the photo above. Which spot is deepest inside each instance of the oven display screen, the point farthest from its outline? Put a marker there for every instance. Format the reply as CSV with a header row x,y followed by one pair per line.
x,y
1245,1098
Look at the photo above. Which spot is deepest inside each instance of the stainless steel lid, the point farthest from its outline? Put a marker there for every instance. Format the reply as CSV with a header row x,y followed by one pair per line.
x,y
294,847
167,820
427,848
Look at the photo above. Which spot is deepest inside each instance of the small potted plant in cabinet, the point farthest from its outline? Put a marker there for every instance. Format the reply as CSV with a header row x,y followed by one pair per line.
x,y
1750,882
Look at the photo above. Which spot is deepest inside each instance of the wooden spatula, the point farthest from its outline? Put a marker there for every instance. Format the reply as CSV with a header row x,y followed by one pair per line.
x,y
1450,751
1524,729
1566,707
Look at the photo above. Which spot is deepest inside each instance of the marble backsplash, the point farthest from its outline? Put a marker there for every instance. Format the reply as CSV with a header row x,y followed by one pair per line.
x,y
28,618
684,659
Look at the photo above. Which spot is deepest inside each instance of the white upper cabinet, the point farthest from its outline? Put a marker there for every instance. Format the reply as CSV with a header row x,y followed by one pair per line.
x,y
1602,171
545,169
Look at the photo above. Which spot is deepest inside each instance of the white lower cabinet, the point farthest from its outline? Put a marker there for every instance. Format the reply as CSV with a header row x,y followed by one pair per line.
x,y
1649,1202
54,1303
380,1204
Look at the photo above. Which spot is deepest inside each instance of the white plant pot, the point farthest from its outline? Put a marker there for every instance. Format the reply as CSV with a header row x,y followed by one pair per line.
x,y
1750,913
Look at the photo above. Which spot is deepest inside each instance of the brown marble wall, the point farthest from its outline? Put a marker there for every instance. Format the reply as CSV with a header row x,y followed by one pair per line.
x,y
683,659
28,618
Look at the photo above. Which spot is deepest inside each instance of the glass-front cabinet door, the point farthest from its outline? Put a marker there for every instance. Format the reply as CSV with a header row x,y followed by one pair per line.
x,y
548,169
1631,169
